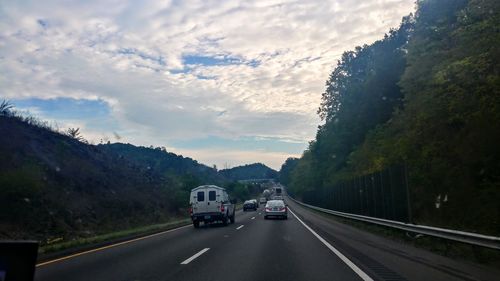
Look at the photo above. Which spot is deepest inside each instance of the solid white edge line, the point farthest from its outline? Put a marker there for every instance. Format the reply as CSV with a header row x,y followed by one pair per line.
x,y
195,256
239,227
109,246
349,263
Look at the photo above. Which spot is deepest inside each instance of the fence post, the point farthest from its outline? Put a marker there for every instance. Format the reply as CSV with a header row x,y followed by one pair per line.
x,y
408,197
382,193
392,194
357,196
374,195
337,196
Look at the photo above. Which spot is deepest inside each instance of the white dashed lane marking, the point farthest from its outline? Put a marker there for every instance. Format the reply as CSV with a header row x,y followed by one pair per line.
x,y
195,256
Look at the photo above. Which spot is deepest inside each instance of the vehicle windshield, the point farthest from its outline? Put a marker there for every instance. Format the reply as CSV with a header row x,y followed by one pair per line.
x,y
263,139
275,203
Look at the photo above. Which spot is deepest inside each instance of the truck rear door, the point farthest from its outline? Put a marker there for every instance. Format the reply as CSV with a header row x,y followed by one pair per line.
x,y
213,204
200,202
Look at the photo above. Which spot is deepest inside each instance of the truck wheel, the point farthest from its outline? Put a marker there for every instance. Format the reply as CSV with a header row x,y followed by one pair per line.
x,y
196,224
224,221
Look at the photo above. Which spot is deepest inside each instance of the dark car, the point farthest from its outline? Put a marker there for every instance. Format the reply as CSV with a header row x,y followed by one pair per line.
x,y
256,203
249,205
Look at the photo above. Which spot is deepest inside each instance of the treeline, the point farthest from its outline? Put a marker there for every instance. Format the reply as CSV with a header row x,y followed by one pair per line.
x,y
426,96
250,171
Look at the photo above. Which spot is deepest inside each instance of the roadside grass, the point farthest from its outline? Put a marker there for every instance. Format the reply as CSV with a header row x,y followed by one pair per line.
x,y
88,242
440,246
57,246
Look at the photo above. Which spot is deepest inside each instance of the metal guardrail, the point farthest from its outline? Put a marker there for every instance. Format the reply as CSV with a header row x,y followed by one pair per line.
x,y
492,242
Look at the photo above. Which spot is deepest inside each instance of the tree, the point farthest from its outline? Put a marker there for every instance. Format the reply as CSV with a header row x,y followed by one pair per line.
x,y
75,133
428,96
6,108
286,170
361,93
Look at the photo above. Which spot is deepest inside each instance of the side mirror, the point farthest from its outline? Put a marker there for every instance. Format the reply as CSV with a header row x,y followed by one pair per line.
x,y
233,201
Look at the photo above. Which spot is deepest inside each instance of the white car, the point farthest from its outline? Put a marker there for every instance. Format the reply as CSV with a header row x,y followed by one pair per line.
x,y
275,208
210,203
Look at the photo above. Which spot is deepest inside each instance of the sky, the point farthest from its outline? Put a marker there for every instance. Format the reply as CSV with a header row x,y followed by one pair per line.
x,y
224,82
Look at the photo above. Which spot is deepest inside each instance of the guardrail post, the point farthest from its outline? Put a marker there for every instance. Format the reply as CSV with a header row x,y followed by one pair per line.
x,y
383,195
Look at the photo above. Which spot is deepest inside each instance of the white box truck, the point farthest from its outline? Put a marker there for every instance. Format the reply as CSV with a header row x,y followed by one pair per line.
x,y
211,203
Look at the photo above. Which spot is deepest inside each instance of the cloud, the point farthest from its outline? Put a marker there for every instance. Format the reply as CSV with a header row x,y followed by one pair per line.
x,y
174,70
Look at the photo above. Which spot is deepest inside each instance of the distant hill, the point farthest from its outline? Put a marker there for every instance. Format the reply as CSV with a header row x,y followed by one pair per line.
x,y
251,171
53,185
160,162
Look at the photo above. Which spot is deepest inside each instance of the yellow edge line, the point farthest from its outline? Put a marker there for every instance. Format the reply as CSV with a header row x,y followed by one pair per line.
x,y
109,246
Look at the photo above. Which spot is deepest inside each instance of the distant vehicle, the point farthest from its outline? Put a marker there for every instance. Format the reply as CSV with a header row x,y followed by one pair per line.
x,y
278,198
266,194
256,203
275,208
278,190
211,203
249,205
262,200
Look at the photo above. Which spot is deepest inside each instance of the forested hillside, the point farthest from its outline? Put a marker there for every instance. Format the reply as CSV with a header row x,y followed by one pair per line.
x,y
426,96
250,171
54,184
158,162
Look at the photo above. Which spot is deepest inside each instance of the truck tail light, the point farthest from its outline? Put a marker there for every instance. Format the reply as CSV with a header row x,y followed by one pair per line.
x,y
190,210
222,207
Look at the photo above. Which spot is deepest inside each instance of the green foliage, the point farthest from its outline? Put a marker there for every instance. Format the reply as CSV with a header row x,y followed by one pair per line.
x,y
286,170
428,95
251,171
53,186
361,93
158,163
113,236
305,176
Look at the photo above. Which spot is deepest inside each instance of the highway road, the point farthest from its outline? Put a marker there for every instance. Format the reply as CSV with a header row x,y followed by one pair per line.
x,y
307,246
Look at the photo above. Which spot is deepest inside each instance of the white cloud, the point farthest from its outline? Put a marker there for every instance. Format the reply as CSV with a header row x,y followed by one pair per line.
x,y
129,54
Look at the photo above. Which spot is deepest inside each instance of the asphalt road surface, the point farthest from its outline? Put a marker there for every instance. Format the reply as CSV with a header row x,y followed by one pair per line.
x,y
307,246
